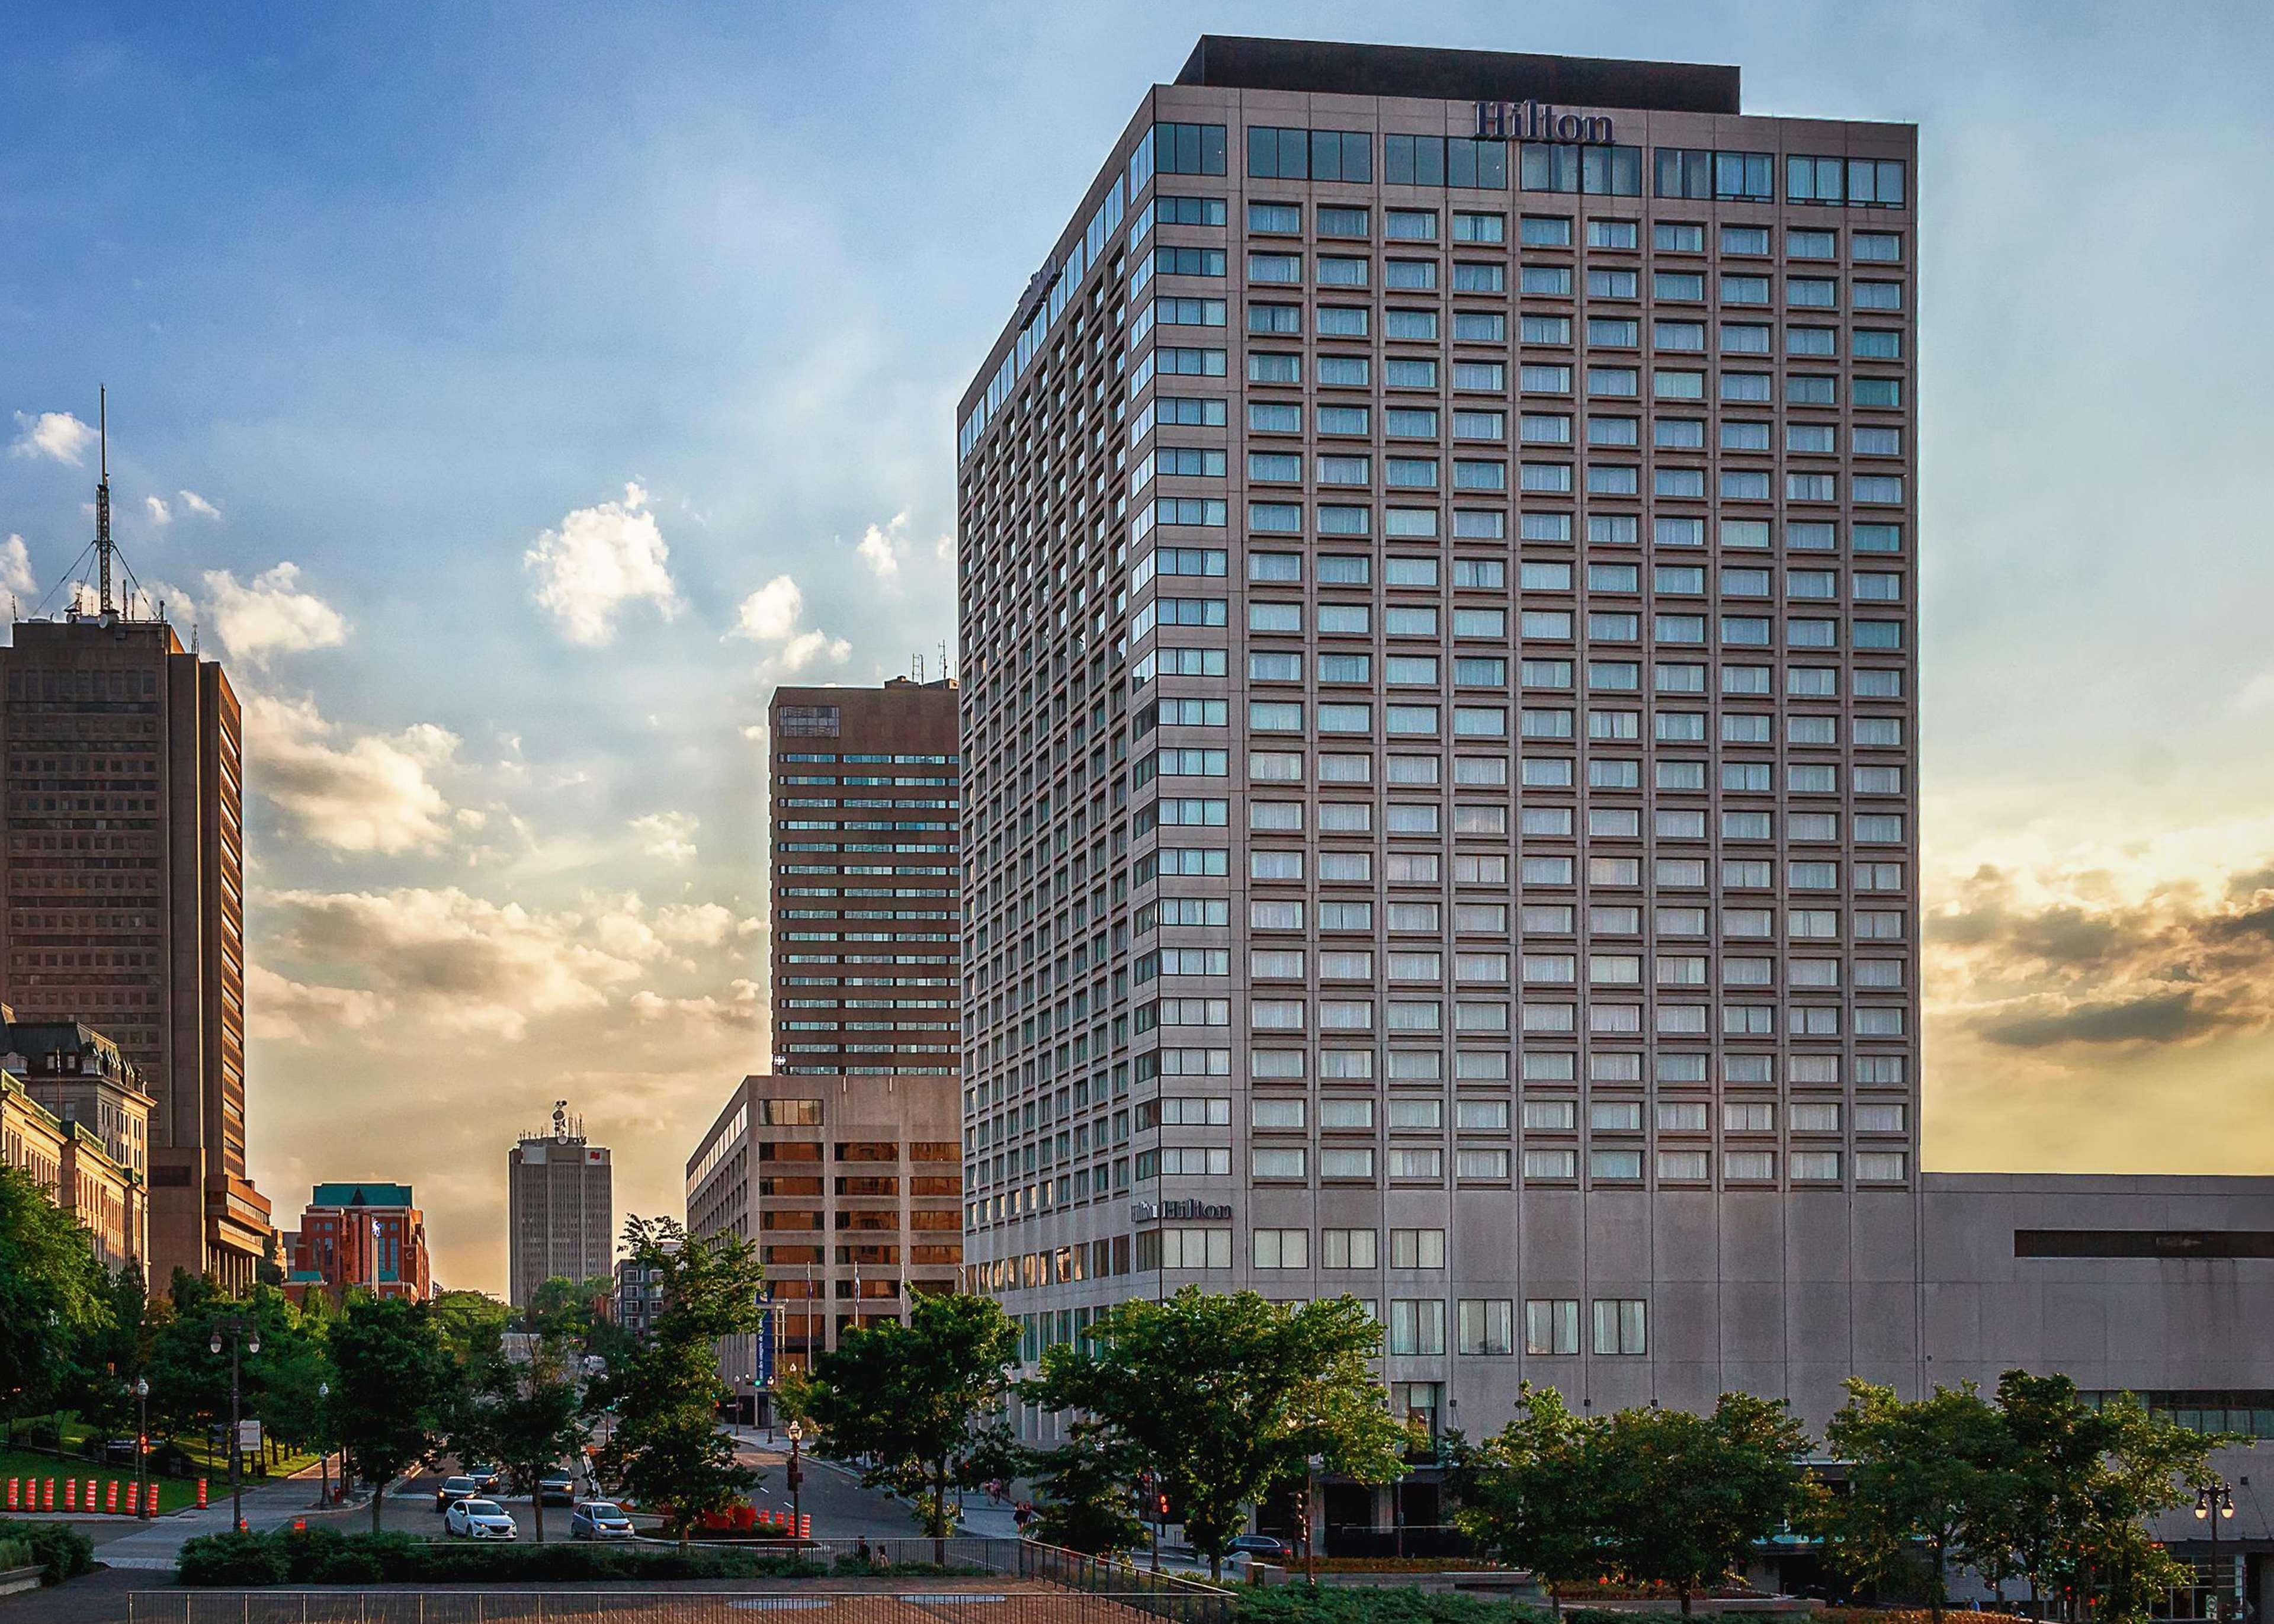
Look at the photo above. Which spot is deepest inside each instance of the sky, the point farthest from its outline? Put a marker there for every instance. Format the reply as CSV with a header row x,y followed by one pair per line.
x,y
511,395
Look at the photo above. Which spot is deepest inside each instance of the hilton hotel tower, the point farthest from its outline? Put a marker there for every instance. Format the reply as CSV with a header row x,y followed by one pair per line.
x,y
1438,539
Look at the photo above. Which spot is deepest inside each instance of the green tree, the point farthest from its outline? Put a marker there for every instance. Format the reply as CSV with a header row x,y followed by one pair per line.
x,y
1087,1499
921,1402
469,1323
53,1297
1526,1496
2149,1464
1681,1498
1223,1396
528,1415
666,1451
114,1351
1925,1477
395,1387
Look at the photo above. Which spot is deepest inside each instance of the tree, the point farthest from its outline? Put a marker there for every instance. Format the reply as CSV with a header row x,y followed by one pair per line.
x,y
1526,1494
1924,1476
921,1402
1681,1498
393,1388
114,1351
666,1451
1222,1397
52,1295
528,1416
1088,1501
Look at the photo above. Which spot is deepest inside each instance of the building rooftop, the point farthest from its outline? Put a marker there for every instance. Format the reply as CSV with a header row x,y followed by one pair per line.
x,y
1233,62
367,1193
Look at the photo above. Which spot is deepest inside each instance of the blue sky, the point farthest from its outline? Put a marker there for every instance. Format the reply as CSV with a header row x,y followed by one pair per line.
x,y
593,368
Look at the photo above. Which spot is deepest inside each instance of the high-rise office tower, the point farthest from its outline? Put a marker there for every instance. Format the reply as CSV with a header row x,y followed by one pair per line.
x,y
865,808
560,1199
125,893
1437,547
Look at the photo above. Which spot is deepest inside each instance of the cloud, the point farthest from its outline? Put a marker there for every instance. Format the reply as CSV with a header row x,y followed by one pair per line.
x,y
2077,955
56,435
288,1012
702,924
771,612
371,793
198,505
159,514
16,567
881,547
667,835
458,962
740,1008
772,615
270,615
601,560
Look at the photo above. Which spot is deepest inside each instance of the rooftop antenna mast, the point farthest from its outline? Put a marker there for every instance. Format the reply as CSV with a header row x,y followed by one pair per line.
x,y
103,543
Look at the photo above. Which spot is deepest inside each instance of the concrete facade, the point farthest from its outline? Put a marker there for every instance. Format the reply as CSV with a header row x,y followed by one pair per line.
x,y
561,1217
123,901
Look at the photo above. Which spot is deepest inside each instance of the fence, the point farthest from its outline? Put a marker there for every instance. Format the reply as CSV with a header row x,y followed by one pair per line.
x,y
1410,1539
901,1601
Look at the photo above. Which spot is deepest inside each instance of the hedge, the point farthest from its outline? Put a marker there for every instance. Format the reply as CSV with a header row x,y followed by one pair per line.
x,y
326,1556
1300,1603
59,1548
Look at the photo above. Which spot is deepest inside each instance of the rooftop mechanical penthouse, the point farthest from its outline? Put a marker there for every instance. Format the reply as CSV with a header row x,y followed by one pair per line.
x,y
1439,758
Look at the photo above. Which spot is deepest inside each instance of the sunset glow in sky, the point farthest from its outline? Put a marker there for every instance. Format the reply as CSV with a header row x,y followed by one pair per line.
x,y
512,396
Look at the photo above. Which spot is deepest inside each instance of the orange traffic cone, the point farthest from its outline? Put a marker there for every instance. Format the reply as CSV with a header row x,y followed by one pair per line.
x,y
70,1494
110,1496
805,1527
201,1494
11,1495
133,1500
48,1495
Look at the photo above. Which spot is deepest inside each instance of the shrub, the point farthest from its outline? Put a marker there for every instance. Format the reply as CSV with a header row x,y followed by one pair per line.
x,y
232,1559
1298,1604
57,1547
14,1553
326,1556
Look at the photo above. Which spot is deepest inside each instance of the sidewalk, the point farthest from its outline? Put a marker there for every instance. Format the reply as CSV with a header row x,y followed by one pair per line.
x,y
156,1545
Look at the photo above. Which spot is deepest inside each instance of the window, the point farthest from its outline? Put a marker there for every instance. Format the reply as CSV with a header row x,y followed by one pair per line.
x,y
1184,149
1620,1326
1346,1249
1277,1249
1417,1325
1487,1325
1551,1325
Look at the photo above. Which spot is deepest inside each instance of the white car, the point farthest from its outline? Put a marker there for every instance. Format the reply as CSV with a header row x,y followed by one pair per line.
x,y
480,1519
599,1519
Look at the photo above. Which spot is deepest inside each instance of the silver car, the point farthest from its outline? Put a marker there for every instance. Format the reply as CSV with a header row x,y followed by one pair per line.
x,y
480,1519
598,1519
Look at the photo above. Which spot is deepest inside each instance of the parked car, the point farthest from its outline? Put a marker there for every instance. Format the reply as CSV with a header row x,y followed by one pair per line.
x,y
1263,1547
453,1491
479,1519
486,1476
557,1488
598,1519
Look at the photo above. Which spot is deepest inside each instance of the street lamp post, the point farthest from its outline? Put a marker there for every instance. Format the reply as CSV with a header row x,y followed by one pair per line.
x,y
796,1482
141,1443
324,1440
243,1337
2214,1504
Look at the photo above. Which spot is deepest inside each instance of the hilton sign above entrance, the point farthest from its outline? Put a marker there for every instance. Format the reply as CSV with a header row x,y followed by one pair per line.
x,y
1538,121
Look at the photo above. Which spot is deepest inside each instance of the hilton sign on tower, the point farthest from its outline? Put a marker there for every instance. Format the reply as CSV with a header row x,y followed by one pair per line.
x,y
1538,121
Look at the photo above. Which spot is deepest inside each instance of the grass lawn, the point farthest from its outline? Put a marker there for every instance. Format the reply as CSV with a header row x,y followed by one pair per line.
x,y
173,1492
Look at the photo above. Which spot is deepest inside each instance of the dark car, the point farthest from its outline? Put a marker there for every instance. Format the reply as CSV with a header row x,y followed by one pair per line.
x,y
453,1491
487,1476
557,1488
1261,1547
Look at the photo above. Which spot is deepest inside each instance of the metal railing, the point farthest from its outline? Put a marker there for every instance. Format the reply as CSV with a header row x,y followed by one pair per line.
x,y
887,1601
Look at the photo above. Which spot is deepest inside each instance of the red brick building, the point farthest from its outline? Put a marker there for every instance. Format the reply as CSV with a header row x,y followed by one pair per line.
x,y
370,1235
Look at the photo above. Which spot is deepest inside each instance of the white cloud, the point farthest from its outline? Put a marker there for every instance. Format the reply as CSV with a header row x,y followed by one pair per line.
x,y
56,435
159,514
738,1009
771,612
268,615
601,560
16,567
198,505
371,793
2255,697
667,835
881,547
459,962
288,1012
